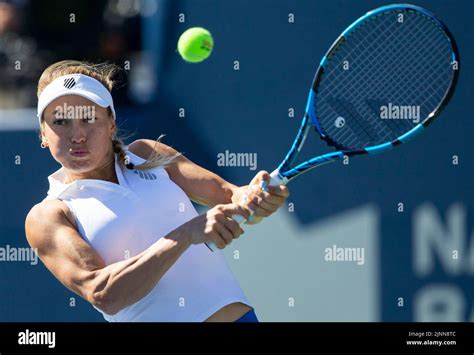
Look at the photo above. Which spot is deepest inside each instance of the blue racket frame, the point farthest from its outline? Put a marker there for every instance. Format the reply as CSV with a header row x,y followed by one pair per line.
x,y
284,173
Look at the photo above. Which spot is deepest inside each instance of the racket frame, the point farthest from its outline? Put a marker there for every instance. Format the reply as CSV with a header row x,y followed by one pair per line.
x,y
283,174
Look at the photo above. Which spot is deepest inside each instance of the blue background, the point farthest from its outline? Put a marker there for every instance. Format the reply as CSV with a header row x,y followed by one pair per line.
x,y
247,111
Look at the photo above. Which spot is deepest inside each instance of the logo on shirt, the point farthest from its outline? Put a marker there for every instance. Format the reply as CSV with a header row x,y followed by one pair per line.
x,y
145,175
69,83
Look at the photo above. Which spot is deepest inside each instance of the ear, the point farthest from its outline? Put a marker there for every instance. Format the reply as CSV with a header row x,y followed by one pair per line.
x,y
112,127
41,134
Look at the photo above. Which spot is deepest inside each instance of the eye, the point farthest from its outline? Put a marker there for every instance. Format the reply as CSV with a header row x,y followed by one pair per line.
x,y
60,122
89,119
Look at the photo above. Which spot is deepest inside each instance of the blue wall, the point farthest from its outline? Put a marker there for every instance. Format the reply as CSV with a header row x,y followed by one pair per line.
x,y
246,111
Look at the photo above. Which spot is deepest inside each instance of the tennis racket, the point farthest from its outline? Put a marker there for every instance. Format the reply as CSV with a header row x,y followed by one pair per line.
x,y
382,82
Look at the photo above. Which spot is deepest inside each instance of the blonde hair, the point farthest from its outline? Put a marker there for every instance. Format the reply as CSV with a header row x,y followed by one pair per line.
x,y
104,73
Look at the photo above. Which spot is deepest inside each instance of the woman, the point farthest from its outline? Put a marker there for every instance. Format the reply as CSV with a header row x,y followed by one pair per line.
x,y
117,226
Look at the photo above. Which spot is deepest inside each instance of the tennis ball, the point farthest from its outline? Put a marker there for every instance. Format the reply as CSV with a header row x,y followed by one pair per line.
x,y
195,44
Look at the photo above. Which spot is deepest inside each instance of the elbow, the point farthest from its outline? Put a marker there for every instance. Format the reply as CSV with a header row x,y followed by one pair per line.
x,y
102,296
104,302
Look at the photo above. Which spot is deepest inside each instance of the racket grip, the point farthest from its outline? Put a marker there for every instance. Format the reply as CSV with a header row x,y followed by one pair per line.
x,y
211,246
277,179
236,217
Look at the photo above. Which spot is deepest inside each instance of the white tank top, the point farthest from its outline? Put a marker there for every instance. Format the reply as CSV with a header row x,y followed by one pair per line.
x,y
122,220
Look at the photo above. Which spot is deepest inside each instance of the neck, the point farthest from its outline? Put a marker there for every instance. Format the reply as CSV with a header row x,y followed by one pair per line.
x,y
104,172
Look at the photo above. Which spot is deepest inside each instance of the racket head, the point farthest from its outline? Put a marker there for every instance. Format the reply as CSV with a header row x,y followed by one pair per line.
x,y
385,79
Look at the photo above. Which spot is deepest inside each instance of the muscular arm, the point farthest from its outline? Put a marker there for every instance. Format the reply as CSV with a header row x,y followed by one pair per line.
x,y
50,229
201,185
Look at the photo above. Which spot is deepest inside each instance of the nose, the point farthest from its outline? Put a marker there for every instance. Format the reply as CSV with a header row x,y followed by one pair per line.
x,y
78,134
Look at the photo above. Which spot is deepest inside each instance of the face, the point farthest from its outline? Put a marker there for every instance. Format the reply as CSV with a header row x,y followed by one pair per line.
x,y
78,133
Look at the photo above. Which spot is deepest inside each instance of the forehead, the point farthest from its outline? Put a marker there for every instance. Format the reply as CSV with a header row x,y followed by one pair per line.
x,y
72,100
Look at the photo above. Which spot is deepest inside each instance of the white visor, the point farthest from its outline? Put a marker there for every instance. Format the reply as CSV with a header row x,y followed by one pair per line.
x,y
75,84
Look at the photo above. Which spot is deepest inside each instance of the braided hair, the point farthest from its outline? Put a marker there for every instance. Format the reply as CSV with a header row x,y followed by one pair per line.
x,y
155,159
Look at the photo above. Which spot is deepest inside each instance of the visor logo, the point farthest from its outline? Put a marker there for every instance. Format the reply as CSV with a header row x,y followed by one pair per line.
x,y
69,83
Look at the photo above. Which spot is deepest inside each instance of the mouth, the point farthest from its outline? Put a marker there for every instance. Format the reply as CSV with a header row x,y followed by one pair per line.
x,y
78,153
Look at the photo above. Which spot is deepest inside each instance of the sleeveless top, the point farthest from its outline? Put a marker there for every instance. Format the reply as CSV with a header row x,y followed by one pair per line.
x,y
122,220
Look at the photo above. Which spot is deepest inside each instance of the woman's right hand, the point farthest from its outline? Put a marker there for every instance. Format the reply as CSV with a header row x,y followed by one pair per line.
x,y
216,225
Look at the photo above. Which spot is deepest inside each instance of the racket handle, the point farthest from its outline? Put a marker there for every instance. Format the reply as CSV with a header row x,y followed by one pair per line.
x,y
277,179
211,246
236,217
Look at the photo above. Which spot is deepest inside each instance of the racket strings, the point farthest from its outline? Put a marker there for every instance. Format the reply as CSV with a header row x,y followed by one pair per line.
x,y
364,42
387,61
359,131
396,126
393,125
390,63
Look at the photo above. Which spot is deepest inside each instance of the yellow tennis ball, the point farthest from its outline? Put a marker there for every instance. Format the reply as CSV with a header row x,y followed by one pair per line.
x,y
195,44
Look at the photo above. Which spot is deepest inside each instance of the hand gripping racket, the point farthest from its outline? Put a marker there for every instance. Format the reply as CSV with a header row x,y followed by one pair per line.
x,y
382,82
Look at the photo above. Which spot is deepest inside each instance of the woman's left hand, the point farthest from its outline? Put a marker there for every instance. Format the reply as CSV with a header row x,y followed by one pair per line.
x,y
260,198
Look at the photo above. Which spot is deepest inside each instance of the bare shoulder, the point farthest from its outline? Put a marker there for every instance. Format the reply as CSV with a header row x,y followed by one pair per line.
x,y
44,218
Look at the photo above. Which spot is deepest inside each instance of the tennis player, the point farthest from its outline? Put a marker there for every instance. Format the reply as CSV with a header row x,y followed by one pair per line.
x,y
117,226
